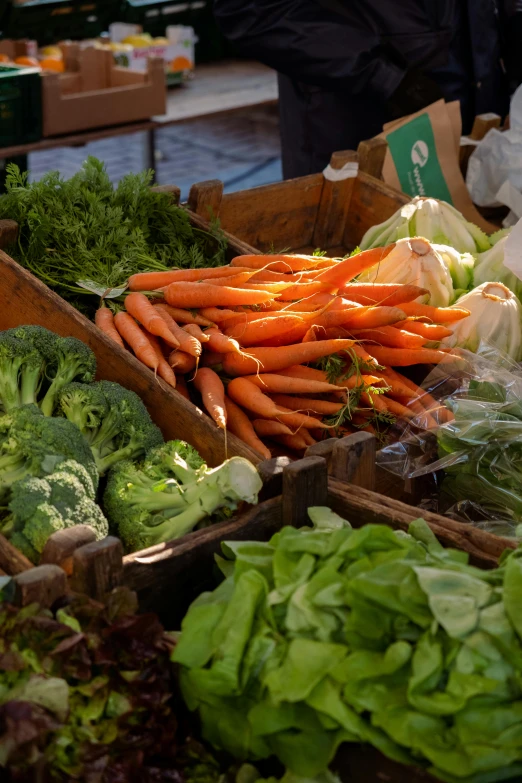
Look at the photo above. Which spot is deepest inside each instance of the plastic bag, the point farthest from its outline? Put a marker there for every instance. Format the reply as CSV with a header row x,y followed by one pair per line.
x,y
474,459
494,175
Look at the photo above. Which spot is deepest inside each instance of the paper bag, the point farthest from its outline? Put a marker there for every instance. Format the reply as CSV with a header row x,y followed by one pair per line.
x,y
423,159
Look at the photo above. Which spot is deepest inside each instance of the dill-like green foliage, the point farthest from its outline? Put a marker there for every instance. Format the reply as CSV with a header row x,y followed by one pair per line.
x,y
84,228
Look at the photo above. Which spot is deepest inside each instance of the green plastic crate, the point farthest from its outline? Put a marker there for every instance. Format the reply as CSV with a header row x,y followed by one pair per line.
x,y
20,105
156,15
49,21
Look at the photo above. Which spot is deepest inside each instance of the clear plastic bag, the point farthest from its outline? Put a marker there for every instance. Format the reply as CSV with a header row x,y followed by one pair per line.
x,y
475,458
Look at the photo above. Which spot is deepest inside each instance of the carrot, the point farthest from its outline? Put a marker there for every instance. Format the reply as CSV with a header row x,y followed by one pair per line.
x,y
298,420
148,281
248,317
262,329
240,425
346,270
426,400
310,336
399,410
104,320
164,369
182,362
279,383
301,371
268,276
397,388
195,331
246,394
436,314
293,442
267,428
433,332
186,342
390,336
362,426
194,295
405,357
270,359
181,386
302,404
220,343
215,315
282,263
182,316
389,294
211,359
274,288
361,317
311,303
139,306
302,290
232,280
307,435
212,391
374,401
137,339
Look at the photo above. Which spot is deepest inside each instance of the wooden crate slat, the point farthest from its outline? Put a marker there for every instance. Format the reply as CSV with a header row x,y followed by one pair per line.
x,y
372,202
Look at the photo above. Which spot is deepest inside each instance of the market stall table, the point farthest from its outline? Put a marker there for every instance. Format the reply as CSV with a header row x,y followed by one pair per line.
x,y
219,88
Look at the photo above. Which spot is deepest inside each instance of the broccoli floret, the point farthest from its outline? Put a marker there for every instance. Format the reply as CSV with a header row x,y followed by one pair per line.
x,y
145,510
171,457
74,468
22,543
41,506
34,373
33,445
73,360
22,368
114,421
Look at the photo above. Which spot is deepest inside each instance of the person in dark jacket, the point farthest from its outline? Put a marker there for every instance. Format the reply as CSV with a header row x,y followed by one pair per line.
x,y
346,67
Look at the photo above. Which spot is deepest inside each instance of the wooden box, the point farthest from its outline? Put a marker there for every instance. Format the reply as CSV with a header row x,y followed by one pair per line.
x,y
95,92
303,214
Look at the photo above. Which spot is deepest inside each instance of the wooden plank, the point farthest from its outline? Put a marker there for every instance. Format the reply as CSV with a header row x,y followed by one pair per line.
x,y
281,216
8,233
353,460
324,449
98,567
173,191
205,198
484,123
60,547
44,585
305,484
334,204
371,154
31,302
11,560
236,246
372,202
271,472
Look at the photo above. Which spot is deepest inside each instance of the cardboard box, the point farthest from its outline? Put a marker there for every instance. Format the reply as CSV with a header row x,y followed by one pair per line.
x,y
97,93
176,49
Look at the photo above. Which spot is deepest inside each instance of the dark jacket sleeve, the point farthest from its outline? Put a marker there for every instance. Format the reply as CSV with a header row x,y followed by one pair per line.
x,y
312,44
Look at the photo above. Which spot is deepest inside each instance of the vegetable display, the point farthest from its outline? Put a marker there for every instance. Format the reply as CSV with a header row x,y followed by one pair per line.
x,y
331,635
83,236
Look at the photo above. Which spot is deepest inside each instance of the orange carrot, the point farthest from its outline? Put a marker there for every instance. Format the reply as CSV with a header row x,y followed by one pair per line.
x,y
399,410
274,288
301,371
268,276
439,315
302,290
269,359
405,357
426,400
396,387
390,294
182,362
361,317
374,401
282,263
186,341
302,404
139,306
135,337
181,386
212,391
265,328
195,331
310,336
232,280
215,315
182,316
293,442
267,428
248,317
148,281
164,369
246,394
194,295
269,382
346,270
240,425
307,435
220,343
390,336
298,420
433,332
104,320
211,358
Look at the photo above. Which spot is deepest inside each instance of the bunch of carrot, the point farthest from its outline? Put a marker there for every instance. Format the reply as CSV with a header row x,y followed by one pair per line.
x,y
256,325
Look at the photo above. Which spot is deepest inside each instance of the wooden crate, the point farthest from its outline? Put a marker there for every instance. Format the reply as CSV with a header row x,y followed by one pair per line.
x,y
300,215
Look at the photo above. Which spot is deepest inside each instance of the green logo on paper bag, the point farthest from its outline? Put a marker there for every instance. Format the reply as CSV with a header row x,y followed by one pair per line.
x,y
415,157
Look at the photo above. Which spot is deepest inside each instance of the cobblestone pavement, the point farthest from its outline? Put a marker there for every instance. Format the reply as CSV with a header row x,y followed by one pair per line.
x,y
242,149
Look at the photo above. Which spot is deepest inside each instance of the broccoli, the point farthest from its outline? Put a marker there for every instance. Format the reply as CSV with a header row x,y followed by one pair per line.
x,y
34,373
114,421
163,497
32,445
22,369
72,360
41,506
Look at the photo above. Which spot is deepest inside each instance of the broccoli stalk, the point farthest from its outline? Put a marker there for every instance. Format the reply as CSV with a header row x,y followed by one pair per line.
x,y
21,370
147,511
72,359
